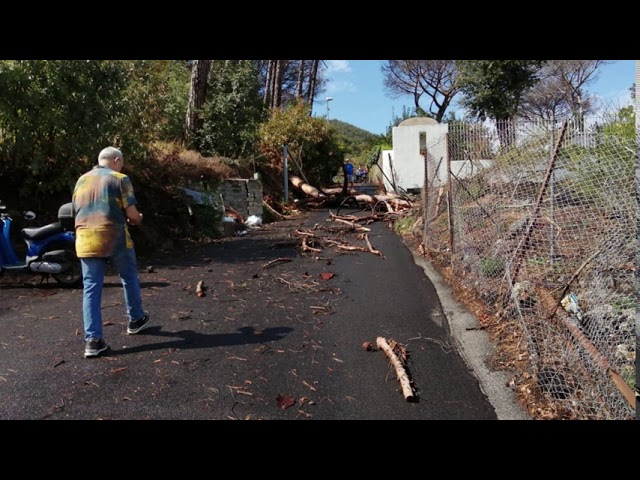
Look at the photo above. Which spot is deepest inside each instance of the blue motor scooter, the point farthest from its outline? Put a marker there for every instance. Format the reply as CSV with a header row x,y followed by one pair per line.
x,y
50,249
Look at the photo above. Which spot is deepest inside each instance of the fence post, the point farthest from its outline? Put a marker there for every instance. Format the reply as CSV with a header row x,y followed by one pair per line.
x,y
422,139
552,233
449,199
285,173
524,243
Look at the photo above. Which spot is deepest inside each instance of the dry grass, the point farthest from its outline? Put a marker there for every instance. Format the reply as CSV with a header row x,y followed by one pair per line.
x,y
189,164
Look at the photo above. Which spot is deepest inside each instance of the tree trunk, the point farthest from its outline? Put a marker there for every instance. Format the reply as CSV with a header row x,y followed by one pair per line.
x,y
197,96
305,187
300,80
443,108
313,76
277,84
579,114
267,83
416,99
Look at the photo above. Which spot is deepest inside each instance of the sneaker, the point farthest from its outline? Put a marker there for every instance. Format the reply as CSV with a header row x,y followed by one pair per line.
x,y
95,347
136,326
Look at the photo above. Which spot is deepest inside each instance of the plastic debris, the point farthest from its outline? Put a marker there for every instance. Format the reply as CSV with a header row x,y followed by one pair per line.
x,y
570,304
253,221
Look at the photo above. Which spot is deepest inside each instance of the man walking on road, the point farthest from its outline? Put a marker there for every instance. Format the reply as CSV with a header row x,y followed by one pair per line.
x,y
104,203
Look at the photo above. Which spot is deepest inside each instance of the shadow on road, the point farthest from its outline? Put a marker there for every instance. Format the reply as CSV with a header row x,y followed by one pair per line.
x,y
262,245
142,284
56,286
187,339
36,285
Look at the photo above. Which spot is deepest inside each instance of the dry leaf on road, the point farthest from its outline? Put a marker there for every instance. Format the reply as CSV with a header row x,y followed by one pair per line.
x,y
285,401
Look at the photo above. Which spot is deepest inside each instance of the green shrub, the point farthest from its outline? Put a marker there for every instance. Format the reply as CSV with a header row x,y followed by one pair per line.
x,y
308,138
403,225
623,303
491,267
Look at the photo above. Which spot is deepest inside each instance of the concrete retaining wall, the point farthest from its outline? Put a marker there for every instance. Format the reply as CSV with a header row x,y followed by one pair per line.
x,y
243,195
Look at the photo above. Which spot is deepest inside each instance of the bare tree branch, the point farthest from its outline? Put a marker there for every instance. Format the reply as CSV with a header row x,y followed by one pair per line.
x,y
437,79
560,93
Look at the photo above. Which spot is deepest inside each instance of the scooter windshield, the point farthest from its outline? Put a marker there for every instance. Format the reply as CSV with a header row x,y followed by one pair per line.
x,y
7,255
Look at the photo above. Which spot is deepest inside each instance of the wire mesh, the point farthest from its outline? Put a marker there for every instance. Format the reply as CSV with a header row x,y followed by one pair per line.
x,y
546,232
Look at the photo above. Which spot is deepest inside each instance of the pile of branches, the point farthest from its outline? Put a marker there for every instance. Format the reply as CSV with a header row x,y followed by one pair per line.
x,y
322,237
331,197
335,198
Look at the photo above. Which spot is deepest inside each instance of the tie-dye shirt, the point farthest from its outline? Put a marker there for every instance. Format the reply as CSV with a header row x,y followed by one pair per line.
x,y
100,198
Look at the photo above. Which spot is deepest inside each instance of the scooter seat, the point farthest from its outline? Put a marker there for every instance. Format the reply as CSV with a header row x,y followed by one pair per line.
x,y
41,232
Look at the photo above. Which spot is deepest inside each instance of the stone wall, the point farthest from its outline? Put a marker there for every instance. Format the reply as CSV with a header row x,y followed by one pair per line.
x,y
243,195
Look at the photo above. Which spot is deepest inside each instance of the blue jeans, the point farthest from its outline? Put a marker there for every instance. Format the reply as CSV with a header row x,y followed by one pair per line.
x,y
93,272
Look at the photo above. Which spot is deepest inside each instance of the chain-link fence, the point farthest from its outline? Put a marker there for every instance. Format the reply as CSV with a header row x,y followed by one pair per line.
x,y
543,229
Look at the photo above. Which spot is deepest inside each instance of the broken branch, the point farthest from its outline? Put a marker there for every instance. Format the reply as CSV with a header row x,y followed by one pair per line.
x,y
273,211
351,224
274,261
371,249
400,371
307,248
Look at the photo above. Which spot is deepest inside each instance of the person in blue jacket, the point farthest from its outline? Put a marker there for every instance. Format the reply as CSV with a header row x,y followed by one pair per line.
x,y
348,166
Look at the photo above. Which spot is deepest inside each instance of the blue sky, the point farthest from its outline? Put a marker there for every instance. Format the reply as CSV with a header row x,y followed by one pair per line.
x,y
359,97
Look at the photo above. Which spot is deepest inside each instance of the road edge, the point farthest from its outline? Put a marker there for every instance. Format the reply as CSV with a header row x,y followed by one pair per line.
x,y
474,346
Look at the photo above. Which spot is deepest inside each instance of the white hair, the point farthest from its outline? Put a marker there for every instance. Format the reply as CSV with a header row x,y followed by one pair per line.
x,y
108,154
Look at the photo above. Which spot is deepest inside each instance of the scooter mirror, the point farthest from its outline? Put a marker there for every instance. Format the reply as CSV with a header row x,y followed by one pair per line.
x,y
29,215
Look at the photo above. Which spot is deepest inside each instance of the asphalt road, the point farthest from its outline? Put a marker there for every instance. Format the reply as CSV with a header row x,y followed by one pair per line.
x,y
262,343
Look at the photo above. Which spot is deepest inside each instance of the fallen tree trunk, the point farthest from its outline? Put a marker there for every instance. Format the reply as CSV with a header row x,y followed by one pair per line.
x,y
337,192
373,199
305,187
400,371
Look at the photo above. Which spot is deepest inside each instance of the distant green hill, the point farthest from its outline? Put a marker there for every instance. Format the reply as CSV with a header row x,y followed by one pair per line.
x,y
356,143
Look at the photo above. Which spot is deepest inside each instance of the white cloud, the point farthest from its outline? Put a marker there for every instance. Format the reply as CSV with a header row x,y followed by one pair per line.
x,y
338,86
338,66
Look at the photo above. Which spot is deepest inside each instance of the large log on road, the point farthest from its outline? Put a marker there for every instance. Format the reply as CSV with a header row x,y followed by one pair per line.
x,y
373,199
370,199
305,187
